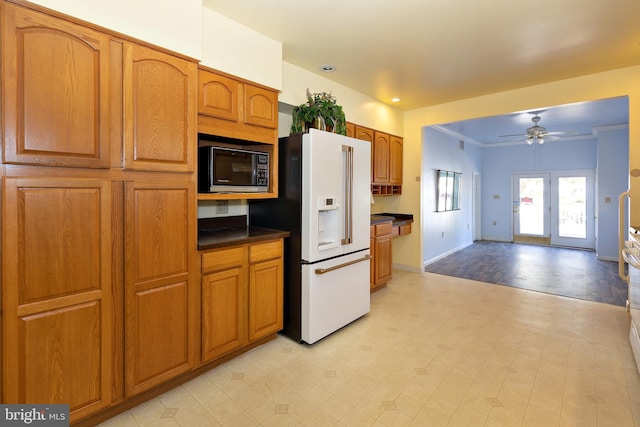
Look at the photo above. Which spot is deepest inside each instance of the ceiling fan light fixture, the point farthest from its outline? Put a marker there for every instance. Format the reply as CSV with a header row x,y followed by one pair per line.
x,y
535,133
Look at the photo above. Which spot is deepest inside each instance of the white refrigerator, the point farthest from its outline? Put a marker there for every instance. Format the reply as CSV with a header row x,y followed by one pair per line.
x,y
630,255
324,202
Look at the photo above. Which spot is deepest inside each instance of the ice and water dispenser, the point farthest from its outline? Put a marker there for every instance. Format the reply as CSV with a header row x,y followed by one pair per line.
x,y
329,225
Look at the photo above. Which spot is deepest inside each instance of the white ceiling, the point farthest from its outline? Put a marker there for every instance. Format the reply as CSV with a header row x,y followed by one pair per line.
x,y
428,52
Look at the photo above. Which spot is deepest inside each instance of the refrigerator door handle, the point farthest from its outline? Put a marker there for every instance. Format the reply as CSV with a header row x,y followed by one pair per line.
x,y
346,264
622,235
348,194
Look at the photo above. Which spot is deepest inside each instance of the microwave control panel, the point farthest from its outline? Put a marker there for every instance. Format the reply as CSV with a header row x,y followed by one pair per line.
x,y
262,169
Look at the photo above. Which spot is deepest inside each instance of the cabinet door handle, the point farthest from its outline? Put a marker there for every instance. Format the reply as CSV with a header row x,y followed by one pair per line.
x,y
346,264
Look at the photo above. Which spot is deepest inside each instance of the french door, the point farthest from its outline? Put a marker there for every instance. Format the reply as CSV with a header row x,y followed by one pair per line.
x,y
555,208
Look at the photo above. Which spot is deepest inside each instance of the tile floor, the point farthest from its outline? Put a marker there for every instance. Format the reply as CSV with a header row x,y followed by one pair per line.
x,y
560,271
434,351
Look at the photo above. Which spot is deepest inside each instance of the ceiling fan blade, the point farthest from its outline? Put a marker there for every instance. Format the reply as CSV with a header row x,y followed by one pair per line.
x,y
562,133
513,134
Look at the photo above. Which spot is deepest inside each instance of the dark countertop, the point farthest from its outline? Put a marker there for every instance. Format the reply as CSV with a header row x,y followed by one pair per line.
x,y
378,219
214,239
215,233
397,219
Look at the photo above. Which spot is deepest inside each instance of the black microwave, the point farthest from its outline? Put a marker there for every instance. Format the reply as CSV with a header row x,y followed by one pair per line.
x,y
229,170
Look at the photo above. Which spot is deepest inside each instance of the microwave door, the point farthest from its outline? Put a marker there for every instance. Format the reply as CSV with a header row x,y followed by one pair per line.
x,y
233,168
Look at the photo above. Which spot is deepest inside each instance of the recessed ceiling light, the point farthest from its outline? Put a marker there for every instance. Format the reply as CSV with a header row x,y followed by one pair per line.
x,y
395,99
327,68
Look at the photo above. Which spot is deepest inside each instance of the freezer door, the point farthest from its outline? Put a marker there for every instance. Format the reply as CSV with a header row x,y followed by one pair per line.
x,y
336,195
334,294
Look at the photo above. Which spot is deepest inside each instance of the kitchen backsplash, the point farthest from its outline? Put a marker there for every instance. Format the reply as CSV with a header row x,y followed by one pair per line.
x,y
220,208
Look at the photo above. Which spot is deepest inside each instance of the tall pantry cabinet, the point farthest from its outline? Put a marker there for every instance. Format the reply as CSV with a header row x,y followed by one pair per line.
x,y
98,213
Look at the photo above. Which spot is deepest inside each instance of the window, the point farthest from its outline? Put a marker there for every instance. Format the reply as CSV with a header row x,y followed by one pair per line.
x,y
448,190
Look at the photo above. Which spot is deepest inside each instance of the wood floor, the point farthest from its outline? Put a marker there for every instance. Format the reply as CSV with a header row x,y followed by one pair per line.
x,y
558,271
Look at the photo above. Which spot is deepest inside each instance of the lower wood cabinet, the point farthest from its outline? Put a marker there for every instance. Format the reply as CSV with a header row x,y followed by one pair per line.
x,y
381,241
57,310
160,295
242,298
224,301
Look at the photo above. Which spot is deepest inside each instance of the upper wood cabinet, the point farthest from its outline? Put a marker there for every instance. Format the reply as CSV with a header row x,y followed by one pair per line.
x,y
57,85
160,111
364,133
395,159
380,152
386,159
260,107
57,292
234,108
351,129
218,96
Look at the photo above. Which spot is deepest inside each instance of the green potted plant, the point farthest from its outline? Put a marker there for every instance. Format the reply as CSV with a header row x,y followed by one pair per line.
x,y
321,111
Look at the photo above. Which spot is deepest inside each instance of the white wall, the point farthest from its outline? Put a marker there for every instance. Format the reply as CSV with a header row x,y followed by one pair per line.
x,y
174,25
238,50
358,108
446,232
613,179
499,164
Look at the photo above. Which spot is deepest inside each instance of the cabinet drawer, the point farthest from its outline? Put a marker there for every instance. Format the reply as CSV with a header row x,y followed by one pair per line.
x,y
405,229
264,251
384,228
223,259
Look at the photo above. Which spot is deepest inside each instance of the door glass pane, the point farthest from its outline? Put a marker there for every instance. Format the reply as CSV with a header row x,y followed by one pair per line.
x,y
572,208
531,213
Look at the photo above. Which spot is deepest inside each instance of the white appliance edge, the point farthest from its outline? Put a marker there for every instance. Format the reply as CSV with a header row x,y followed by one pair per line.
x,y
634,299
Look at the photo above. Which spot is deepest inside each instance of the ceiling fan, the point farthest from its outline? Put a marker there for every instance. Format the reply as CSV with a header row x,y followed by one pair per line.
x,y
536,133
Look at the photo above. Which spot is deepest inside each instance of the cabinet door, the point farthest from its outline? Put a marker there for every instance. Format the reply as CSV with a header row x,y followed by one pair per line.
x,y
55,86
395,160
380,150
351,129
265,298
159,291
260,107
56,287
372,264
223,312
160,110
366,134
218,96
384,261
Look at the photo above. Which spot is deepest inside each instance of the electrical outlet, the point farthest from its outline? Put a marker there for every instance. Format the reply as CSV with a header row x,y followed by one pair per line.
x,y
222,207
